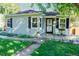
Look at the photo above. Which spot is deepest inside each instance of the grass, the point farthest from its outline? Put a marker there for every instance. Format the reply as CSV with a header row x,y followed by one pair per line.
x,y
53,48
10,47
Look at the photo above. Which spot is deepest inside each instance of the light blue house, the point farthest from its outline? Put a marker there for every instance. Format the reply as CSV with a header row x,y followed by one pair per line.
x,y
31,22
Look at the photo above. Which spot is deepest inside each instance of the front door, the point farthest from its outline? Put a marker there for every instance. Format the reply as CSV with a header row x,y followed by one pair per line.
x,y
49,25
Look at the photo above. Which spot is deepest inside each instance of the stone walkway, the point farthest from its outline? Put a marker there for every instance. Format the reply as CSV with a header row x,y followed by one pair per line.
x,y
28,51
21,39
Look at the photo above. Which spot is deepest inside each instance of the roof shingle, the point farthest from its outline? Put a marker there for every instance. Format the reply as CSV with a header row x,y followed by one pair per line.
x,y
26,11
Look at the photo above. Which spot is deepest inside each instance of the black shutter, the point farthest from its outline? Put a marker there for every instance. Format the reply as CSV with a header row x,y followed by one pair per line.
x,y
29,22
40,22
57,22
11,22
67,22
8,23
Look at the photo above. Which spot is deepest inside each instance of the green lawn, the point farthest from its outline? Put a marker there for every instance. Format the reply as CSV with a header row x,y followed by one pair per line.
x,y
53,48
10,47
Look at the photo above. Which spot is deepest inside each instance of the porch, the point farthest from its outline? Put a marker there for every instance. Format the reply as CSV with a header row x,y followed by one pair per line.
x,y
56,25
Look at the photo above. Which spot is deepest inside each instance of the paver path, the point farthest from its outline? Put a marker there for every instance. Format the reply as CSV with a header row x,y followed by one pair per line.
x,y
28,51
42,37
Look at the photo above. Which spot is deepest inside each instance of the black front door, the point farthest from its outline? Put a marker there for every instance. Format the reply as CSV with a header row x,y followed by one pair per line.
x,y
49,25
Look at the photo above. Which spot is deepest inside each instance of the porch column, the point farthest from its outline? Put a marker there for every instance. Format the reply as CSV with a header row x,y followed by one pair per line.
x,y
38,26
54,26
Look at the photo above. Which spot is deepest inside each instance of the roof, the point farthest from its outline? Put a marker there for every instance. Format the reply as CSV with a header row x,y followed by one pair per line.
x,y
27,11
51,13
33,12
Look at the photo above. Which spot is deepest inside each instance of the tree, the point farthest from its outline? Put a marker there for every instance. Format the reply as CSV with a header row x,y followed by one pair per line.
x,y
61,8
67,8
8,8
42,6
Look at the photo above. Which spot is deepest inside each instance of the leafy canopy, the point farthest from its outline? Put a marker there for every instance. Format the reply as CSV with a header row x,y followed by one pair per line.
x,y
62,8
8,8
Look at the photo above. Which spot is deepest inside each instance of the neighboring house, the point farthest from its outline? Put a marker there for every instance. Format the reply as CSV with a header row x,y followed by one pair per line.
x,y
2,23
31,22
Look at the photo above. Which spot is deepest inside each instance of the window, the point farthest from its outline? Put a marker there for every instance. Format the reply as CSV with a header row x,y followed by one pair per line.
x,y
62,23
62,26
9,23
34,22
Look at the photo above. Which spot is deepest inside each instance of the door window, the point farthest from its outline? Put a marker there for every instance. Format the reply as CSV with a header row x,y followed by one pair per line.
x,y
49,22
49,25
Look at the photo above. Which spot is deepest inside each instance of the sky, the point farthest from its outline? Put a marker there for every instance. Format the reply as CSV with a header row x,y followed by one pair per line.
x,y
25,6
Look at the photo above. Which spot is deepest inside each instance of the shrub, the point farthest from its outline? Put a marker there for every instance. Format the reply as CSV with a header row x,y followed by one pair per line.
x,y
24,36
8,34
16,35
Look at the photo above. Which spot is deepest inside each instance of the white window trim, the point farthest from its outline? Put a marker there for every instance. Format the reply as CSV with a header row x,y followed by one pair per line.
x,y
38,22
60,22
32,22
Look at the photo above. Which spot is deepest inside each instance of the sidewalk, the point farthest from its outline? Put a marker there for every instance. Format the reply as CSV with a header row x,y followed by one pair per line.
x,y
28,51
72,39
21,39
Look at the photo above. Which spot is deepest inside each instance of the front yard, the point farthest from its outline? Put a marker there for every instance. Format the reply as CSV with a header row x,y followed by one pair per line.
x,y
53,48
48,48
10,47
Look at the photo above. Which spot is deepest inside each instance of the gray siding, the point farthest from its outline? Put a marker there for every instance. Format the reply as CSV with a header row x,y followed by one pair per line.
x,y
20,26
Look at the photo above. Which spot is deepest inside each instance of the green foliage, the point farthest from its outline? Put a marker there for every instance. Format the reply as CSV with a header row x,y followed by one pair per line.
x,y
15,35
8,34
67,8
24,36
53,48
10,47
8,8
62,8
41,6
